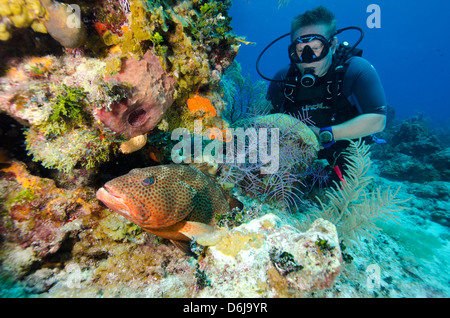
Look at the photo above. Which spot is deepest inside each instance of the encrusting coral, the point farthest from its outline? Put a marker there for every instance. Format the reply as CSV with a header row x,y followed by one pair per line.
x,y
49,228
46,228
39,214
201,104
269,258
193,39
64,152
53,96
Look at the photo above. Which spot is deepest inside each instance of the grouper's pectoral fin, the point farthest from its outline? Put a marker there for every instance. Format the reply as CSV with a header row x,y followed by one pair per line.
x,y
183,231
181,234
204,234
193,229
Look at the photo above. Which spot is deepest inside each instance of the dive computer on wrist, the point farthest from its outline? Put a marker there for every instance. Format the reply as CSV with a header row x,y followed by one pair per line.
x,y
326,137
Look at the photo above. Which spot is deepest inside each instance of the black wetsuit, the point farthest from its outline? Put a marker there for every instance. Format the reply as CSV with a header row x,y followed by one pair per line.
x,y
361,93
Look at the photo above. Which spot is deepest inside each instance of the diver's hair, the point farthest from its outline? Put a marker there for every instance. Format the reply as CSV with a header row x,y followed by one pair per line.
x,y
319,15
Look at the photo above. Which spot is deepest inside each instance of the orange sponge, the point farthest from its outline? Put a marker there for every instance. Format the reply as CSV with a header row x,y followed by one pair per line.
x,y
201,104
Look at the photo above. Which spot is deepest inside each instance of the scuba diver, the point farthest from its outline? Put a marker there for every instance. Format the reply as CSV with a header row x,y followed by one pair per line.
x,y
339,90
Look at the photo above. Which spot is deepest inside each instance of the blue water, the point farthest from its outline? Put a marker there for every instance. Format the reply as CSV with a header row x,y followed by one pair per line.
x,y
410,50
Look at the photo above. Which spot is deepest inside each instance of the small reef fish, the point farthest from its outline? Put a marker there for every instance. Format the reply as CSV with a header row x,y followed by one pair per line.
x,y
245,42
176,202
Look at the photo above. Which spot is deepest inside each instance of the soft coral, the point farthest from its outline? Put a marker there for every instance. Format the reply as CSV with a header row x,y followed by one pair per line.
x,y
297,151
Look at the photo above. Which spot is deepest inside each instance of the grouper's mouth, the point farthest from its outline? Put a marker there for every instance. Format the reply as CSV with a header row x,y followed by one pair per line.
x,y
113,200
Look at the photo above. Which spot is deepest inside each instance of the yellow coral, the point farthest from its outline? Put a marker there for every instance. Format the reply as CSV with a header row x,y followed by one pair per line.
x,y
21,14
4,32
115,49
38,26
4,8
142,31
23,177
235,242
16,7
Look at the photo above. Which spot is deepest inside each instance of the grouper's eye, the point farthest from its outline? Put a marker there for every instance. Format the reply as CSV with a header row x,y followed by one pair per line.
x,y
148,181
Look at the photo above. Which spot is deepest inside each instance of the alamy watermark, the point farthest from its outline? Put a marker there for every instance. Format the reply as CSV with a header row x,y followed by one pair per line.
x,y
256,150
373,280
73,20
374,19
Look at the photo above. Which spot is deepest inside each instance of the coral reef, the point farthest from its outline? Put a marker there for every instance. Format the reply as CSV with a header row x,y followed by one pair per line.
x,y
236,217
54,236
440,160
38,215
53,97
76,148
106,100
432,200
413,152
85,250
268,258
134,68
201,104
192,38
105,255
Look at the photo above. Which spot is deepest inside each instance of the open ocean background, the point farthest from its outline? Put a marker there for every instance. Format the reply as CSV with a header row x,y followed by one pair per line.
x,y
410,50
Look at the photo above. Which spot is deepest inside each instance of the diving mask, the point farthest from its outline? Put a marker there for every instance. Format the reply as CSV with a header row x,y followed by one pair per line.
x,y
309,48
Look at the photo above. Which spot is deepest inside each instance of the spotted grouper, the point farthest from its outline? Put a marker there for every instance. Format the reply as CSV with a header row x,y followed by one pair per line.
x,y
176,202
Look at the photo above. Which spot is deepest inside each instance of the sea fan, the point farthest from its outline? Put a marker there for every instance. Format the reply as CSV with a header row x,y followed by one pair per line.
x,y
244,98
353,209
283,187
248,108
294,158
317,175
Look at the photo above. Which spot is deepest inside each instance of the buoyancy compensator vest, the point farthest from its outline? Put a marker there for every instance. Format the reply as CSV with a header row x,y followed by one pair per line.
x,y
325,98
